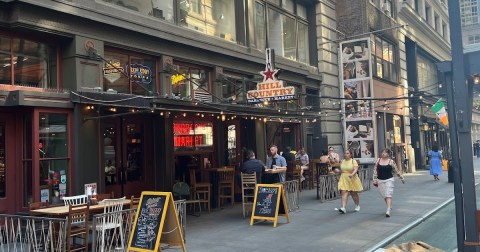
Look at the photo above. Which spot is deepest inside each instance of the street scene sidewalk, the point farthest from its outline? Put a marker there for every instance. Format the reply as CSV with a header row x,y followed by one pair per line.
x,y
317,226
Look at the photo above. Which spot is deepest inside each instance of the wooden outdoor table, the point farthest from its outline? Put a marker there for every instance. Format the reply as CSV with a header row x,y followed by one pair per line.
x,y
271,173
276,171
62,211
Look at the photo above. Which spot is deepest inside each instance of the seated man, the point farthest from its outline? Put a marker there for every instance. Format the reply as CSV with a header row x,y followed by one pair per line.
x,y
253,165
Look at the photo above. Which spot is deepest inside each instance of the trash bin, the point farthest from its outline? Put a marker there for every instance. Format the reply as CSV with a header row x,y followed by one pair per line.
x,y
450,171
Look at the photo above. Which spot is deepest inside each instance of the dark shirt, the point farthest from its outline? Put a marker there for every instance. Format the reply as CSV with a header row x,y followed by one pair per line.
x,y
254,165
384,171
288,156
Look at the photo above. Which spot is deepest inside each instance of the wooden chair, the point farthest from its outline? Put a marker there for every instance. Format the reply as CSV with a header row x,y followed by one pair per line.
x,y
38,205
249,182
181,191
75,200
201,189
102,196
110,225
77,227
226,185
134,202
293,173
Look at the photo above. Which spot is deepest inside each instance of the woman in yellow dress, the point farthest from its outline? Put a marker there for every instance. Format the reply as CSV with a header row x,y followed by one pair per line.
x,y
349,182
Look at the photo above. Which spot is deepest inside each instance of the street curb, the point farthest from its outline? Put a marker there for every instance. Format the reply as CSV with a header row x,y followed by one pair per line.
x,y
413,224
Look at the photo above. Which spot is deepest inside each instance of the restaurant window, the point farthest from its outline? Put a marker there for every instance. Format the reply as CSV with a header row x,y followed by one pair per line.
x,y
189,81
312,99
286,32
161,9
53,148
191,135
135,154
129,73
34,64
384,60
211,17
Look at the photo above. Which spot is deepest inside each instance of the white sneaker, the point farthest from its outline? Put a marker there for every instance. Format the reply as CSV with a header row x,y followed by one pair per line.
x,y
341,210
357,208
387,214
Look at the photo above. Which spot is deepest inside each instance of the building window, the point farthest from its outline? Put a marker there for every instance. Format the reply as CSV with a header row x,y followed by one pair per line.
x,y
473,39
388,8
384,60
193,82
162,9
53,148
428,17
212,17
435,23
415,5
287,30
34,64
469,12
129,73
444,30
427,74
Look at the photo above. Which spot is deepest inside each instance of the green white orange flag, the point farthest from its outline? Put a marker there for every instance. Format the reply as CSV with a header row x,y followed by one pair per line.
x,y
439,109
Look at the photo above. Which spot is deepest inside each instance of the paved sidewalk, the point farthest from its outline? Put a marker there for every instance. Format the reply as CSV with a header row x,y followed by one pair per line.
x,y
316,226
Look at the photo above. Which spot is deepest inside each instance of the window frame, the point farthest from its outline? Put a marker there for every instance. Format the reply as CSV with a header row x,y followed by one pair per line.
x,y
390,64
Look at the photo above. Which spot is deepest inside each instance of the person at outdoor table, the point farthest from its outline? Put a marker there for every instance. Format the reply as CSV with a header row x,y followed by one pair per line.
x,y
253,165
278,161
334,157
385,169
288,155
324,157
304,162
349,182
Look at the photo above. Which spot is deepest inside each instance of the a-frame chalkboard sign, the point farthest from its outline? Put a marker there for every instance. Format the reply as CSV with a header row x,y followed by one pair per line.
x,y
269,203
156,221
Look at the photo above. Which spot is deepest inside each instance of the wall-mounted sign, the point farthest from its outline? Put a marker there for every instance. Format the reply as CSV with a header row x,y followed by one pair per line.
x,y
270,89
177,78
112,70
140,73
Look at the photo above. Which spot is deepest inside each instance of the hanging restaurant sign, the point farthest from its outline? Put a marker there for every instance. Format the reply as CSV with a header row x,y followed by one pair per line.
x,y
140,73
270,89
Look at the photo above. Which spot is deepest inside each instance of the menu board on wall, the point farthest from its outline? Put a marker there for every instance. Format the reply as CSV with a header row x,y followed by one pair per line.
x,y
357,106
155,213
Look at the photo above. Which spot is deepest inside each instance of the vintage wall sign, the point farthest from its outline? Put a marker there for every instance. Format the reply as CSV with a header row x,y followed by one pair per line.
x,y
270,89
177,78
112,70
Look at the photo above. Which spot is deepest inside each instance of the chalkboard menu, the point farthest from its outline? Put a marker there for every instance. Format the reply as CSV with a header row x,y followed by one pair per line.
x,y
147,226
269,203
266,201
155,212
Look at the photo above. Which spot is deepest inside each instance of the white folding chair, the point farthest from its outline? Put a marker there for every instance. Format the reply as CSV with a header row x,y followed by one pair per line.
x,y
109,223
75,200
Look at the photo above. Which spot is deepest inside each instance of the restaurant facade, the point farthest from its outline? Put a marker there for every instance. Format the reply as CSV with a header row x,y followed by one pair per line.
x,y
132,95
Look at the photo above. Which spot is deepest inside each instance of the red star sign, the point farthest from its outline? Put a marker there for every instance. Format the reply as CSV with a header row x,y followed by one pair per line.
x,y
269,74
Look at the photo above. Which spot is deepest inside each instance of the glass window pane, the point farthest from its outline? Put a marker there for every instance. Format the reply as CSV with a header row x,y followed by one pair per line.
x,y
303,43
162,9
53,152
181,87
288,5
109,153
142,75
135,155
5,69
274,2
301,11
260,27
379,70
281,33
385,50
224,16
386,70
114,76
390,53
3,164
378,48
32,62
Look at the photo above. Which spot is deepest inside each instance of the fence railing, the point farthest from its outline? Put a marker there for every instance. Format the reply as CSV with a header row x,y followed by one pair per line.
x,y
28,233
20,233
292,194
327,185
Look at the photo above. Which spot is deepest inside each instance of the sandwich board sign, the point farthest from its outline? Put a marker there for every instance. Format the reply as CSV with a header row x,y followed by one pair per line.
x,y
156,221
269,203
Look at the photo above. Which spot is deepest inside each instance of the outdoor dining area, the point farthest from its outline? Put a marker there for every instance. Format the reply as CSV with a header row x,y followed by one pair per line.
x,y
88,222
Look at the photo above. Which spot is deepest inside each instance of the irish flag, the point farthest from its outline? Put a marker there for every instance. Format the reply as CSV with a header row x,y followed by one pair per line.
x,y
439,109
